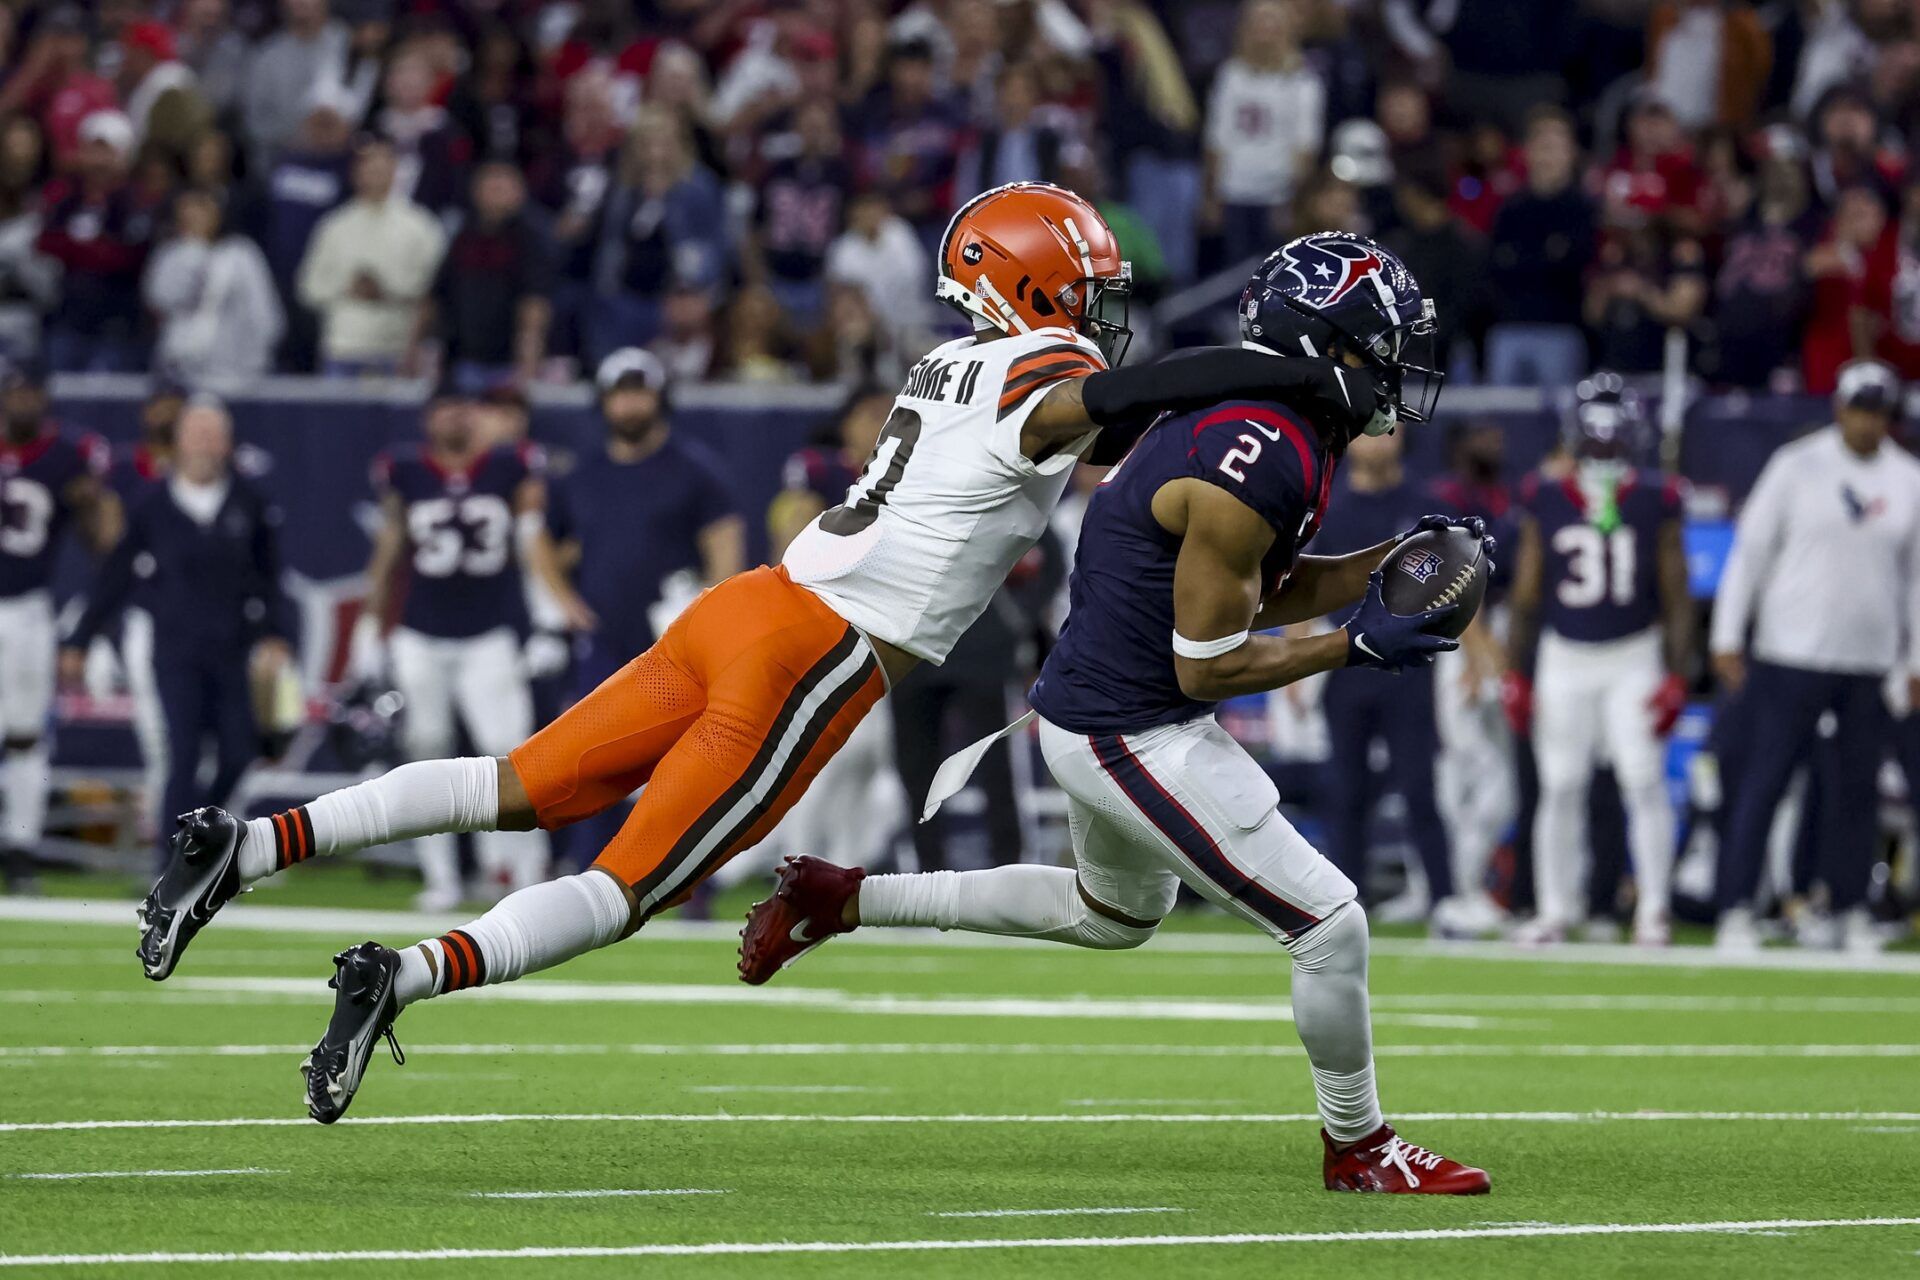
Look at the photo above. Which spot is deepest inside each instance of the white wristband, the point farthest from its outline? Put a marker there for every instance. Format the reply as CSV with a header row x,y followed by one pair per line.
x,y
1200,649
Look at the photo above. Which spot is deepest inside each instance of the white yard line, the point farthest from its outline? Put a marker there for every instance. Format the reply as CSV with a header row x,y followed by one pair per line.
x,y
600,1194
31,1053
1573,1003
333,922
784,1088
967,1118
144,1173
832,1000
1055,1213
775,1247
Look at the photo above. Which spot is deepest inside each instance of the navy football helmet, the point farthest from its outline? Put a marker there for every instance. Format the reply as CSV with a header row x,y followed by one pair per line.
x,y
1609,421
1334,293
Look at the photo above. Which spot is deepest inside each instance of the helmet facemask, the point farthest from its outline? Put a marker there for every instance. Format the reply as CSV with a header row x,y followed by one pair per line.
x,y
1104,318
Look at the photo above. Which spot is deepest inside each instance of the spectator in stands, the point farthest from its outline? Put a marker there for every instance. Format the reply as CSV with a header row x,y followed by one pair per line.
x,y
1848,149
493,102
308,182
1896,318
1857,249
1653,174
1833,50
1542,242
99,233
29,279
876,252
571,182
1327,203
1709,60
910,140
287,68
665,220
973,61
163,97
1266,119
213,50
368,269
1498,59
1489,170
756,339
434,153
852,345
1448,259
1405,114
1645,284
491,298
687,344
1760,292
1822,573
799,209
220,317
54,84
1021,143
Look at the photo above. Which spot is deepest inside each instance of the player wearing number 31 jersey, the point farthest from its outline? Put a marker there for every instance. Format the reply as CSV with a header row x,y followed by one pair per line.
x,y
730,715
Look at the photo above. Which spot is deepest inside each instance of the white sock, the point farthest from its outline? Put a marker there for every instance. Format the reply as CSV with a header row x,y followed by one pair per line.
x,y
1560,855
1331,1015
426,797
1650,837
529,930
1014,901
25,772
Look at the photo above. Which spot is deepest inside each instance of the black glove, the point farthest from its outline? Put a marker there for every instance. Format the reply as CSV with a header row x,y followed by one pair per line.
x,y
1379,638
1472,524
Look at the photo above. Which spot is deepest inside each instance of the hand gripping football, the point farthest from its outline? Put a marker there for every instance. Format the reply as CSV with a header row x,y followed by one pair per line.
x,y
1434,569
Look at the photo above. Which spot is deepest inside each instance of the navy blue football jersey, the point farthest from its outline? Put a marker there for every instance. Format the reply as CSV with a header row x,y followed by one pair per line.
x,y
1112,671
34,479
1601,577
465,577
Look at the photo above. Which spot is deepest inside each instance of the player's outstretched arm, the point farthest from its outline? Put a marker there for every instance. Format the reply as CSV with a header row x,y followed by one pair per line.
x,y
1123,403
1216,594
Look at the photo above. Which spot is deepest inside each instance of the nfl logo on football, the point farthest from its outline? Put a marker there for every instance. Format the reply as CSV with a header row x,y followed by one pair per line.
x,y
1420,565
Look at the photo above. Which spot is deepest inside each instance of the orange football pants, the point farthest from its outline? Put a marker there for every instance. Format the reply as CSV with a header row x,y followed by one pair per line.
x,y
725,722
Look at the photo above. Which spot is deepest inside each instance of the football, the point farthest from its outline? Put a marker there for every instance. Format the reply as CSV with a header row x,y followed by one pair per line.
x,y
1436,568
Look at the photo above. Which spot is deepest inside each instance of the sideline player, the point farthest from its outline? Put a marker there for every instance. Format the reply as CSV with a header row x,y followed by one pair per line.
x,y
1191,545
47,480
731,715
1602,619
453,513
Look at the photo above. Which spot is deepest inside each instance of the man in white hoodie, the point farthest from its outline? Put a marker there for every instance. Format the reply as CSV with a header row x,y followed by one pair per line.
x,y
368,269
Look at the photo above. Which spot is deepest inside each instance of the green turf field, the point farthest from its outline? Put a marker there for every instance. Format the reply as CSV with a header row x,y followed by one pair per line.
x,y
923,1106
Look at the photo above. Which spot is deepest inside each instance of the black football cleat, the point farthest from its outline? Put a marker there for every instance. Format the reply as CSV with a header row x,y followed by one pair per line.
x,y
364,1007
202,875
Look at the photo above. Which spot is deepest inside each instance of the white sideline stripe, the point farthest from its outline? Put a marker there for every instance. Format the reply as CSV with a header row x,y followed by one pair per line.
x,y
1659,1003
831,1000
336,921
1054,1213
538,1252
144,1173
784,1088
592,1195
53,1052
1125,1117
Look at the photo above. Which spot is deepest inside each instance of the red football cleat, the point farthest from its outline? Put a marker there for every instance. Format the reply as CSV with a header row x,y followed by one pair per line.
x,y
1382,1162
803,912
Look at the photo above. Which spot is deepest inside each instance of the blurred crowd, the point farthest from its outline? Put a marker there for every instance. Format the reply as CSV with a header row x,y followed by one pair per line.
x,y
752,188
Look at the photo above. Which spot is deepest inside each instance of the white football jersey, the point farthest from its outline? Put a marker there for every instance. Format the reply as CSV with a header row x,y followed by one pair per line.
x,y
947,504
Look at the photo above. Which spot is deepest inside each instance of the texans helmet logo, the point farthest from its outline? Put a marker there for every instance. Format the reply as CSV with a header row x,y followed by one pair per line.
x,y
1328,268
1420,564
1858,508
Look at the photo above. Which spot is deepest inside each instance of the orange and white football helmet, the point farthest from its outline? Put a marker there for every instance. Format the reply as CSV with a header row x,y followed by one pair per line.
x,y
1031,255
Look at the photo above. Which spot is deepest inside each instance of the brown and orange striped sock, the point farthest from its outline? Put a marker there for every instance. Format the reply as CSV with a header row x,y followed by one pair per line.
x,y
461,964
292,837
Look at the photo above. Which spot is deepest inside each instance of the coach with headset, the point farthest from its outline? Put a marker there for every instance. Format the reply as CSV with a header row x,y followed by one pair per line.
x,y
1820,601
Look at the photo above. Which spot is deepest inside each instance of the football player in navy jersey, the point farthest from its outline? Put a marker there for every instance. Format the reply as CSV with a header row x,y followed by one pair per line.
x,y
454,511
1602,618
1194,542
48,480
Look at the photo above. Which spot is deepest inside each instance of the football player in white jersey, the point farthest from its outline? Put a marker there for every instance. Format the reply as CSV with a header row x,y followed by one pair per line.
x,y
729,717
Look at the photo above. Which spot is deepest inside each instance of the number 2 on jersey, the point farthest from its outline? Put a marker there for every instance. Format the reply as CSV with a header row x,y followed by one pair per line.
x,y
1599,565
878,481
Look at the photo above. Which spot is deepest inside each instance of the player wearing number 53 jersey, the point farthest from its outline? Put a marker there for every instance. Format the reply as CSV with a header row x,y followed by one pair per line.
x,y
1601,617
47,480
726,720
453,514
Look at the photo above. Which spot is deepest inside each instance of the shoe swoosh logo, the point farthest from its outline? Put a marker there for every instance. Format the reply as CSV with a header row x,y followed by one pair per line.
x,y
799,932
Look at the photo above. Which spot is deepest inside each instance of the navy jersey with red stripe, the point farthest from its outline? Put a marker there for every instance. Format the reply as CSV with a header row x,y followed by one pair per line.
x,y
1112,671
1601,570
35,478
465,578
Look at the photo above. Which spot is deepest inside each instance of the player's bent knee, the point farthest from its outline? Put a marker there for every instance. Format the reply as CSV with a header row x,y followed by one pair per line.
x,y
1337,944
1104,934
